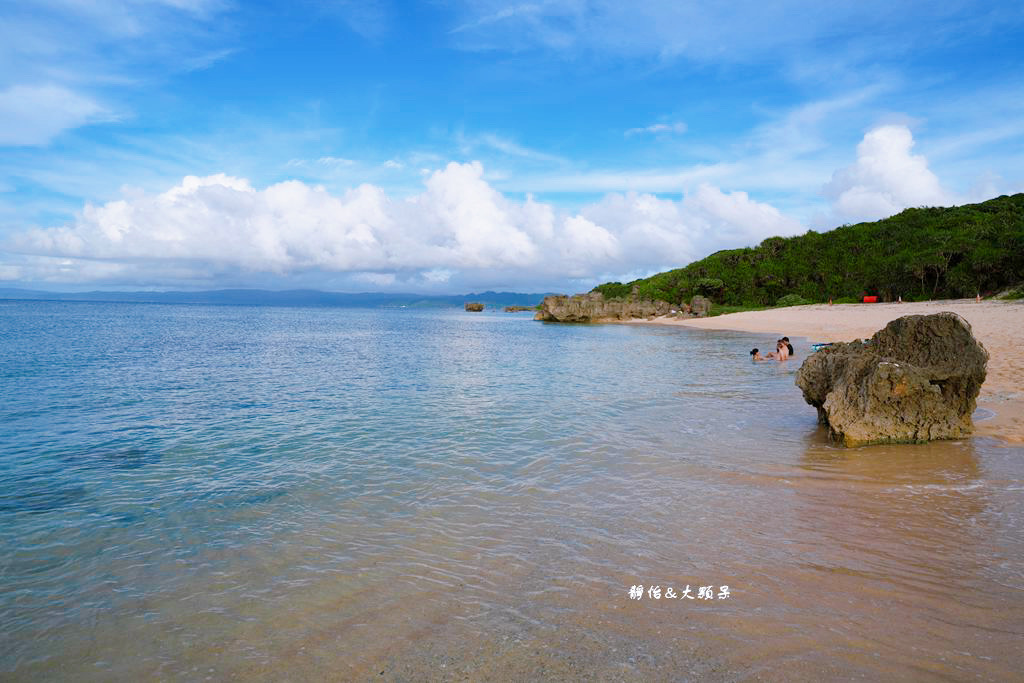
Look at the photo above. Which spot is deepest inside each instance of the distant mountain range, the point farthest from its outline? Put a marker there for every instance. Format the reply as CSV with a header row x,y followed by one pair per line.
x,y
295,297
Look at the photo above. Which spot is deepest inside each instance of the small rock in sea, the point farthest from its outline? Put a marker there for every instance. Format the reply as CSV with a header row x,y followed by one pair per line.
x,y
474,306
916,380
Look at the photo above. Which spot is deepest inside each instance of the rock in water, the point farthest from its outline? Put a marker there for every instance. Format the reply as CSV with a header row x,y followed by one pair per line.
x,y
916,380
474,307
593,307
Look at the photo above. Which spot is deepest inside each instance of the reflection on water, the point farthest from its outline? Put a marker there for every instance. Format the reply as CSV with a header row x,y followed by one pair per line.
x,y
271,493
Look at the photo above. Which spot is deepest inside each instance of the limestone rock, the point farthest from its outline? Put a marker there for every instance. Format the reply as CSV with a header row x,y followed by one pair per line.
x,y
915,380
700,306
593,307
474,306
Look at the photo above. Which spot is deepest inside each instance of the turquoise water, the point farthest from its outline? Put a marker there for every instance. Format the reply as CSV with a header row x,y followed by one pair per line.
x,y
192,491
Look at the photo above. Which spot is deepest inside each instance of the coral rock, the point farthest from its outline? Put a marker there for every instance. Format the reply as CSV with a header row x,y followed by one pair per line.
x,y
915,380
593,307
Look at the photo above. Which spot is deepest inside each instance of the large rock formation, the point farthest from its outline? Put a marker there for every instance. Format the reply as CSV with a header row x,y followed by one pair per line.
x,y
473,306
915,380
594,308
700,306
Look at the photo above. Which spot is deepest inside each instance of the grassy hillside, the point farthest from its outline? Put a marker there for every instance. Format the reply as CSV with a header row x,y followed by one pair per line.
x,y
917,254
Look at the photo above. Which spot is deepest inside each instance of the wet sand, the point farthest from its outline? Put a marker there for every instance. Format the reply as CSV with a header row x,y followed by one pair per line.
x,y
997,325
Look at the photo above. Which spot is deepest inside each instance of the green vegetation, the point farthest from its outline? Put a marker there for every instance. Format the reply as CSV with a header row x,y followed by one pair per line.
x,y
1014,294
793,300
615,290
917,254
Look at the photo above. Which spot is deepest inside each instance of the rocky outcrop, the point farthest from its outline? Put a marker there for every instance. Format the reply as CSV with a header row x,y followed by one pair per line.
x,y
594,308
474,307
915,380
517,309
700,306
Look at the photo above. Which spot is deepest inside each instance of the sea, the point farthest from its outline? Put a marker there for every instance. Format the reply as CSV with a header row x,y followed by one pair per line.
x,y
193,492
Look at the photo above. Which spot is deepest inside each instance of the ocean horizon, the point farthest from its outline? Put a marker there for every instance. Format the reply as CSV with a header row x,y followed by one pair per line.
x,y
193,491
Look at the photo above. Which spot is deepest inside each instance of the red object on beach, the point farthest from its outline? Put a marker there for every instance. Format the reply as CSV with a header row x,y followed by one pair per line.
x,y
871,299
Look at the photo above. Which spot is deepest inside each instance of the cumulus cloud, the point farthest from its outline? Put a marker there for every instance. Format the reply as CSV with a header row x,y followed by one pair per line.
x,y
677,128
459,229
35,114
885,179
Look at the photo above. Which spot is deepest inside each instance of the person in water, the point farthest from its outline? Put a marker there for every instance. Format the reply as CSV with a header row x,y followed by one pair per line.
x,y
780,353
788,345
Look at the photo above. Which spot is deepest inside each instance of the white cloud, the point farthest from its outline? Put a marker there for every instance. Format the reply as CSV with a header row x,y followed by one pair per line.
x,y
807,128
656,231
736,219
500,15
885,179
677,128
322,162
371,19
458,227
10,273
56,55
376,279
437,275
35,114
794,31
505,146
646,180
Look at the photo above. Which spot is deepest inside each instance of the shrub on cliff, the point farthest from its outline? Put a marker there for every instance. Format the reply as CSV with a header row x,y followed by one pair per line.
x,y
613,290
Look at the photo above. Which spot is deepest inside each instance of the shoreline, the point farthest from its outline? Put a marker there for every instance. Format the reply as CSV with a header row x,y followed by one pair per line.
x,y
994,323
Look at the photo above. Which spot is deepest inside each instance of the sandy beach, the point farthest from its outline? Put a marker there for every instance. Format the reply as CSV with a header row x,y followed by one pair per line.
x,y
996,324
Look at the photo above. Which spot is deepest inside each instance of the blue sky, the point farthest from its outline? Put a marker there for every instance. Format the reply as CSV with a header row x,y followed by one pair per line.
x,y
456,146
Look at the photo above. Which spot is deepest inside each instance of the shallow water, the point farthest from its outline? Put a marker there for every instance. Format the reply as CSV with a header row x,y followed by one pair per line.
x,y
192,491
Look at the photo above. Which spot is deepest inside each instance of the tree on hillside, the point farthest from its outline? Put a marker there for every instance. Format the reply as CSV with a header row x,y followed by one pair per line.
x,y
925,253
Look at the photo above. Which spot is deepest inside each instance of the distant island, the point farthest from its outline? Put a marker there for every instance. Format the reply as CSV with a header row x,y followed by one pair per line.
x,y
296,298
916,255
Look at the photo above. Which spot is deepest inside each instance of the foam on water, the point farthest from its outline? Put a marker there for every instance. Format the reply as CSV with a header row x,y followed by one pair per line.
x,y
269,493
